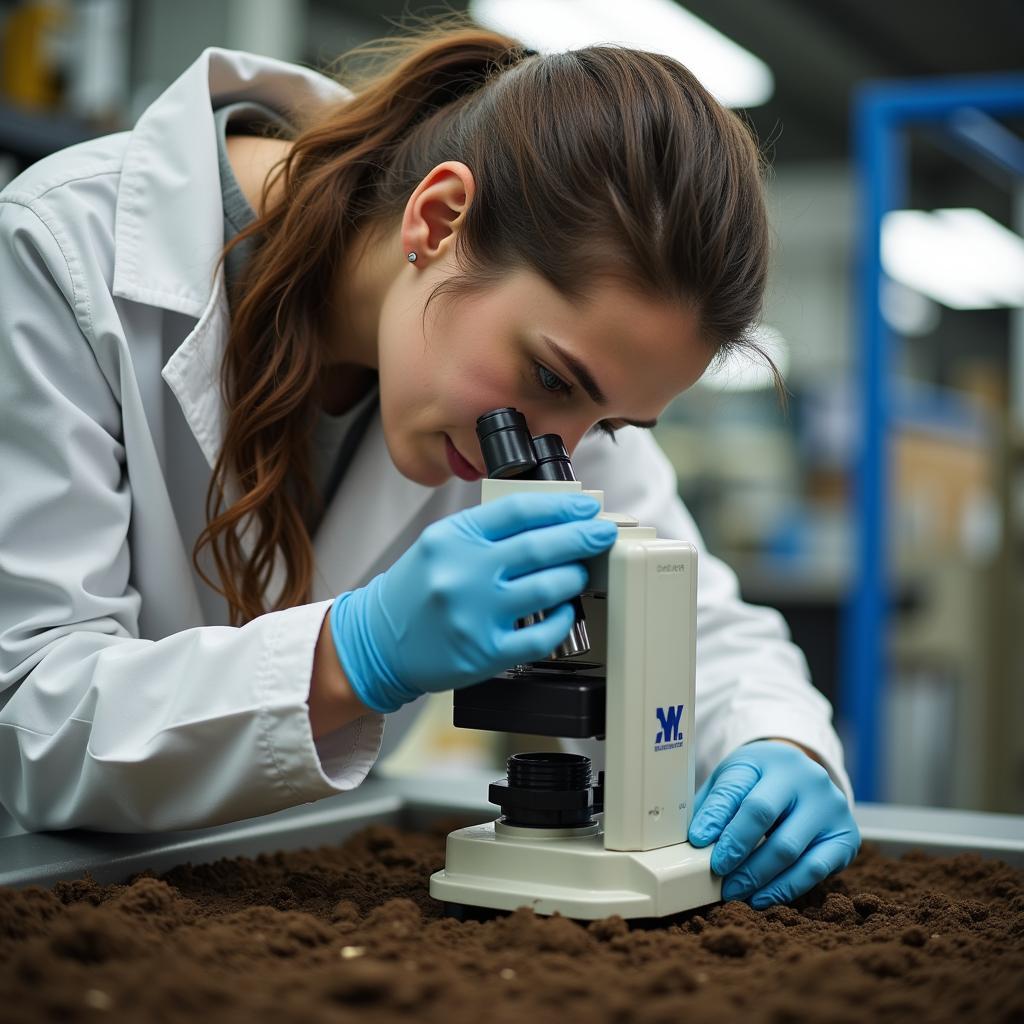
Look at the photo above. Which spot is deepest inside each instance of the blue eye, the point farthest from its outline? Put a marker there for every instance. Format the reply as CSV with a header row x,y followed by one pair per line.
x,y
554,385
549,381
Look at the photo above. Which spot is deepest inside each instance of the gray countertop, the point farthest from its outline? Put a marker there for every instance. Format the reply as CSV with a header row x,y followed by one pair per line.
x,y
46,857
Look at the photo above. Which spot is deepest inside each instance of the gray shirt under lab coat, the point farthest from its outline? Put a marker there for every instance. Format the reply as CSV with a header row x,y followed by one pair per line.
x,y
126,701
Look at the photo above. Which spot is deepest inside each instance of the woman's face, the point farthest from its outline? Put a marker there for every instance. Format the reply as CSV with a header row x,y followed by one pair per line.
x,y
514,344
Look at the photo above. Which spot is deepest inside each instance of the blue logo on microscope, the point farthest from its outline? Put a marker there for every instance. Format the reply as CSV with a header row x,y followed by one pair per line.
x,y
669,734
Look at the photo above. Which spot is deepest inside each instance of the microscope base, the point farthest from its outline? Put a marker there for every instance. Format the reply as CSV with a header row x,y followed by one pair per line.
x,y
572,874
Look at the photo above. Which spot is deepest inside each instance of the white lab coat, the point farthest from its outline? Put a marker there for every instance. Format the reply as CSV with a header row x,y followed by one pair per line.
x,y
126,702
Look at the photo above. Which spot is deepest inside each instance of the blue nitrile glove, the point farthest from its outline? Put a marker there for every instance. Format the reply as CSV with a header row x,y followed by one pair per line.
x,y
444,615
767,786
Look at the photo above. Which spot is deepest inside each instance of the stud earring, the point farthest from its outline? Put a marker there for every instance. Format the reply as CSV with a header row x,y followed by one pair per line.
x,y
412,257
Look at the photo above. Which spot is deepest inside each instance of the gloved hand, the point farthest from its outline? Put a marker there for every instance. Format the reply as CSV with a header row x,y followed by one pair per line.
x,y
444,615
774,789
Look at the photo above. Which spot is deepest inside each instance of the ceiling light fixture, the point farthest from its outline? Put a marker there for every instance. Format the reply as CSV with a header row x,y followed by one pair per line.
x,y
733,75
961,258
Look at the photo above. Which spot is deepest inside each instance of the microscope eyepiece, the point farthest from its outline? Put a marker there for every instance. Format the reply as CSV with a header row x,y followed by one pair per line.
x,y
509,451
553,462
505,442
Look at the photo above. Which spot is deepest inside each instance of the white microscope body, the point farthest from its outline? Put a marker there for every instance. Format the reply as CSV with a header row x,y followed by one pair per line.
x,y
633,860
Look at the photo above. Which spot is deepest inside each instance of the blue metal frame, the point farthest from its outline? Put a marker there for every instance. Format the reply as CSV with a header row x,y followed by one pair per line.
x,y
882,111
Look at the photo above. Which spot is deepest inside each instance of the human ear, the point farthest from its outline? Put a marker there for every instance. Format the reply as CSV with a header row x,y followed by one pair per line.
x,y
436,211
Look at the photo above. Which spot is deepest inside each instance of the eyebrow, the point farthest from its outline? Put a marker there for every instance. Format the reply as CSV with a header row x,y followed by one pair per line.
x,y
587,382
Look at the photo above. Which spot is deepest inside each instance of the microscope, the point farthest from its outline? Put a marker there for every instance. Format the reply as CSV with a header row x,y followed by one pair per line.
x,y
626,675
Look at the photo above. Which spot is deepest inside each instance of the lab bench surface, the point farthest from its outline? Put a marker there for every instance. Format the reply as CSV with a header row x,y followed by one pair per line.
x,y
47,857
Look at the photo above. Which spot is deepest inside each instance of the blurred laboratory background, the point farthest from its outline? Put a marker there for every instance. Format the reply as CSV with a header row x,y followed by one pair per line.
x,y
882,512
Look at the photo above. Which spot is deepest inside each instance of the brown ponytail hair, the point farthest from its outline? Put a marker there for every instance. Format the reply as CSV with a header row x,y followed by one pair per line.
x,y
595,162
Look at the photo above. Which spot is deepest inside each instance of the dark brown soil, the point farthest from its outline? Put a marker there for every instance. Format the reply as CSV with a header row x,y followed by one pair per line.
x,y
350,933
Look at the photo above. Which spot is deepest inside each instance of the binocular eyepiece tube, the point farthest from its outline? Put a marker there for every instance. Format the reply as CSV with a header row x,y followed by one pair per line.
x,y
510,453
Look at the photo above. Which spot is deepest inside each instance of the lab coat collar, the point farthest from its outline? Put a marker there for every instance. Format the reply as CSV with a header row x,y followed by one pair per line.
x,y
170,218
170,222
193,373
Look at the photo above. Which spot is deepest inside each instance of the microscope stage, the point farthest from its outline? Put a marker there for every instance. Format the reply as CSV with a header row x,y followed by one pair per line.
x,y
492,865
540,703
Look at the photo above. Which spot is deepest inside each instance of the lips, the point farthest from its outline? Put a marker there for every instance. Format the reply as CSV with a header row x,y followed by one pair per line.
x,y
463,469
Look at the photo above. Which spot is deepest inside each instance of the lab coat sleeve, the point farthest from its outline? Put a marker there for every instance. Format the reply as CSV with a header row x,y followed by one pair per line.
x,y
100,728
752,681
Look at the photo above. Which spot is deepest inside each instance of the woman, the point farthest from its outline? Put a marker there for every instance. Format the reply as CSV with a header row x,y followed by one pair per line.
x,y
240,519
